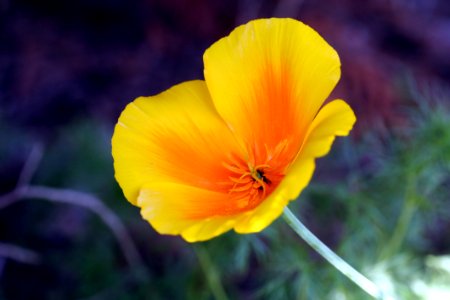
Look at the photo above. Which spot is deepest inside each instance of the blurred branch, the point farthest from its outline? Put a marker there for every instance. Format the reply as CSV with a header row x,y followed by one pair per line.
x,y
19,254
25,191
85,200
25,176
11,251
31,165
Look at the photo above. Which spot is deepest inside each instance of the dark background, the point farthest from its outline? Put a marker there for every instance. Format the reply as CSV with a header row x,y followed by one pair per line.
x,y
68,68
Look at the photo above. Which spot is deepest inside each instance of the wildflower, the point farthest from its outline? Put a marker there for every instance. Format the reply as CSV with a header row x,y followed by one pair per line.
x,y
230,152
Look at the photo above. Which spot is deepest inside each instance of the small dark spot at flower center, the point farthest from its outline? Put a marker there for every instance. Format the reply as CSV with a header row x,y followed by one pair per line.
x,y
261,176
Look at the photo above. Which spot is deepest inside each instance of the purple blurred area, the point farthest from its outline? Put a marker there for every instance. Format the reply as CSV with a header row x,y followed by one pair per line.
x,y
63,59
60,60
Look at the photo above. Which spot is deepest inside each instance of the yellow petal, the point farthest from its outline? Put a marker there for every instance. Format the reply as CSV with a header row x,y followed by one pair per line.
x,y
177,209
176,136
268,79
334,119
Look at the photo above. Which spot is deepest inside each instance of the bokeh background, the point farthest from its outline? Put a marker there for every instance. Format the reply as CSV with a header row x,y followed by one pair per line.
x,y
380,199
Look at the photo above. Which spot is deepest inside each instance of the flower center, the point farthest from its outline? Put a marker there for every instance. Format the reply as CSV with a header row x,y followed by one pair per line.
x,y
250,184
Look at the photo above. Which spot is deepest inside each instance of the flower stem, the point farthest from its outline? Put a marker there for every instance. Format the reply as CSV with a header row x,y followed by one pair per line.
x,y
365,284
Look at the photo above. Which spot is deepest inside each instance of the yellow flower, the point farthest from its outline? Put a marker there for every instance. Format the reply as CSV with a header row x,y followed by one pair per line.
x,y
230,152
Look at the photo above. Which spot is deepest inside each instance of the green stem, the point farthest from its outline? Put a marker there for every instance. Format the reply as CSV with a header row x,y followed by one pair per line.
x,y
368,286
211,273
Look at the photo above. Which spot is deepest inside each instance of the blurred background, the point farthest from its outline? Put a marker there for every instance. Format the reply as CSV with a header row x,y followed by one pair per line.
x,y
380,199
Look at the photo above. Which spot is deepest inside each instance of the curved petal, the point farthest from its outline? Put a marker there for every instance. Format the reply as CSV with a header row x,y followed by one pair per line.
x,y
334,119
176,136
268,79
192,212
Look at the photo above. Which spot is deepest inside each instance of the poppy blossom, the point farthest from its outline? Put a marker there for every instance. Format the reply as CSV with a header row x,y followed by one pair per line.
x,y
231,151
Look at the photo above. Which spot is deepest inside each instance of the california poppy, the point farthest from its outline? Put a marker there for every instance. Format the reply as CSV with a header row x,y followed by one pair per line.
x,y
231,151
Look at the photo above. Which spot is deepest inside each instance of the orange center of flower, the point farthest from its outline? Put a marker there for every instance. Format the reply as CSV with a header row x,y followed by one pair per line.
x,y
250,184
